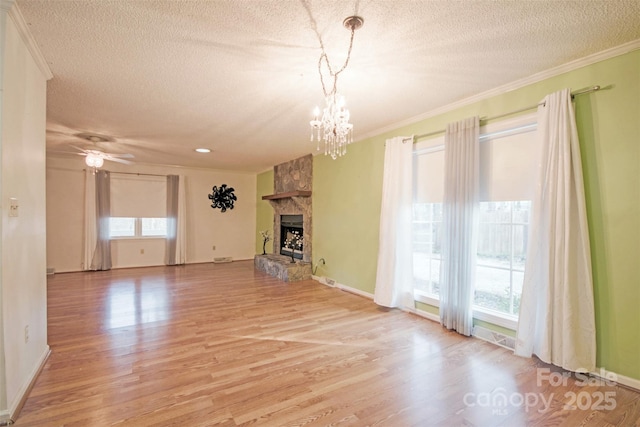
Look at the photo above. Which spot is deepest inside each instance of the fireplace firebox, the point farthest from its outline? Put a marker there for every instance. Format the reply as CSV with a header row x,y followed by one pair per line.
x,y
290,226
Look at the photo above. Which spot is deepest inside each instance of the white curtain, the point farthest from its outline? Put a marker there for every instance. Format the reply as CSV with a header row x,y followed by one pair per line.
x,y
97,245
460,224
176,244
557,320
90,222
394,275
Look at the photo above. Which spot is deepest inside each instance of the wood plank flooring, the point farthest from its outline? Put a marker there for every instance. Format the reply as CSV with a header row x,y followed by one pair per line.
x,y
223,344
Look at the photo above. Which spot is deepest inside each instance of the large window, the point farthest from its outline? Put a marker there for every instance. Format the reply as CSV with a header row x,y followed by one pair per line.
x,y
508,162
138,206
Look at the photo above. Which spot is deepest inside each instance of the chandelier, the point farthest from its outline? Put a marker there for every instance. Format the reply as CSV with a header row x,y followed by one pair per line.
x,y
333,128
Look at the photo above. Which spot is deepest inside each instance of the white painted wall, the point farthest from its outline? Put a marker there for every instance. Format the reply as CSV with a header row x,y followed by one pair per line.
x,y
22,176
233,232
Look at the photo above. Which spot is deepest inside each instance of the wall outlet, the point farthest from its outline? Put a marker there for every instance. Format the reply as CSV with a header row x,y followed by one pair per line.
x,y
26,334
13,207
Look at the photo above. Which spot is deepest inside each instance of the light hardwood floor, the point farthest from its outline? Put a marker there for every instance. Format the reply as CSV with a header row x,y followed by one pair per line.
x,y
222,344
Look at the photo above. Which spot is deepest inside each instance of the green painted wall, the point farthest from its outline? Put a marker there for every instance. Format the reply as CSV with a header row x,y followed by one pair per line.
x,y
346,211
347,191
264,214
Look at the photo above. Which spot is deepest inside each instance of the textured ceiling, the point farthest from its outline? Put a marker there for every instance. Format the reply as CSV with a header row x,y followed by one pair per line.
x,y
241,77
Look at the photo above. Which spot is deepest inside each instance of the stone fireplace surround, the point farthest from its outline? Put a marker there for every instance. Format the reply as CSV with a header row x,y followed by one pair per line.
x,y
292,196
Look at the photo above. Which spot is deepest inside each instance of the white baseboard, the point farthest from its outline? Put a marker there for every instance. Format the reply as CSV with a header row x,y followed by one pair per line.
x,y
354,291
21,396
619,379
322,280
333,284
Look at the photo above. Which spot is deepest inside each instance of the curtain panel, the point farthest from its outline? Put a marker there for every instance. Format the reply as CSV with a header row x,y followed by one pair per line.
x,y
394,273
175,249
557,318
460,224
101,259
90,221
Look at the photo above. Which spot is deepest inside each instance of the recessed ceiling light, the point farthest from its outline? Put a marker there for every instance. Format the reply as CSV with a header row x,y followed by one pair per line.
x,y
203,150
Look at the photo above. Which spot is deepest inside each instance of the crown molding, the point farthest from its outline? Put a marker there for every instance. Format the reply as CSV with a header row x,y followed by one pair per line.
x,y
500,90
18,19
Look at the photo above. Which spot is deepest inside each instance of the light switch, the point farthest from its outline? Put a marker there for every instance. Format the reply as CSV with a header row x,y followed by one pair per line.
x,y
13,206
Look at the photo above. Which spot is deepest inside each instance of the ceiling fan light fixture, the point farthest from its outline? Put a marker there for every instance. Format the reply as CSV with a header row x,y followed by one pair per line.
x,y
94,160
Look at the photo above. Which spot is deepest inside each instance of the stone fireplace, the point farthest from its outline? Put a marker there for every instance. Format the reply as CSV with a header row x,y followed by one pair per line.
x,y
291,204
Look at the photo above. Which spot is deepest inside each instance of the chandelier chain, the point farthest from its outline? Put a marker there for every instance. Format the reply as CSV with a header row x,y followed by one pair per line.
x,y
326,59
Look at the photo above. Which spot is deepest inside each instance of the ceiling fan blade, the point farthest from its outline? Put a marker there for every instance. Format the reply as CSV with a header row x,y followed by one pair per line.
x,y
122,156
113,159
67,153
79,149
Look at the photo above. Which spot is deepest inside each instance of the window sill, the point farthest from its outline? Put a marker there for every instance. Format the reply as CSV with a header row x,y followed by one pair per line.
x,y
425,298
496,318
138,238
479,313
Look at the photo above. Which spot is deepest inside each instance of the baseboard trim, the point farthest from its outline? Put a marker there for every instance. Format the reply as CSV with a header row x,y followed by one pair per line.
x,y
333,284
23,394
622,380
354,291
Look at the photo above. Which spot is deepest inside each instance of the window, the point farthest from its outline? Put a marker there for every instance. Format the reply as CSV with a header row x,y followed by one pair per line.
x,y
138,206
502,252
507,175
427,232
126,227
122,227
153,227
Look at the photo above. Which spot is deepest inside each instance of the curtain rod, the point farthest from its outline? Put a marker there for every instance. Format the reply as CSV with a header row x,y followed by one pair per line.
x,y
135,173
521,110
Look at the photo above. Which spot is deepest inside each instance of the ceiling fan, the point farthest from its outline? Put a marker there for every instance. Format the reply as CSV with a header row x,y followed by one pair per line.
x,y
95,158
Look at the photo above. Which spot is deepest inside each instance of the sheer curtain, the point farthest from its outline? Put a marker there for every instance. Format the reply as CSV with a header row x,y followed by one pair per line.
x,y
175,251
395,271
557,320
460,224
97,250
90,221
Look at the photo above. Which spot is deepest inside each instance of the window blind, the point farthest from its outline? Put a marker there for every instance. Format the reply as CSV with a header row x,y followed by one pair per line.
x,y
138,196
508,166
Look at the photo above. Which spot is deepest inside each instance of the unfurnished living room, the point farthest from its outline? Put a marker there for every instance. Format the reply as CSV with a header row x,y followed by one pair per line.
x,y
320,212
